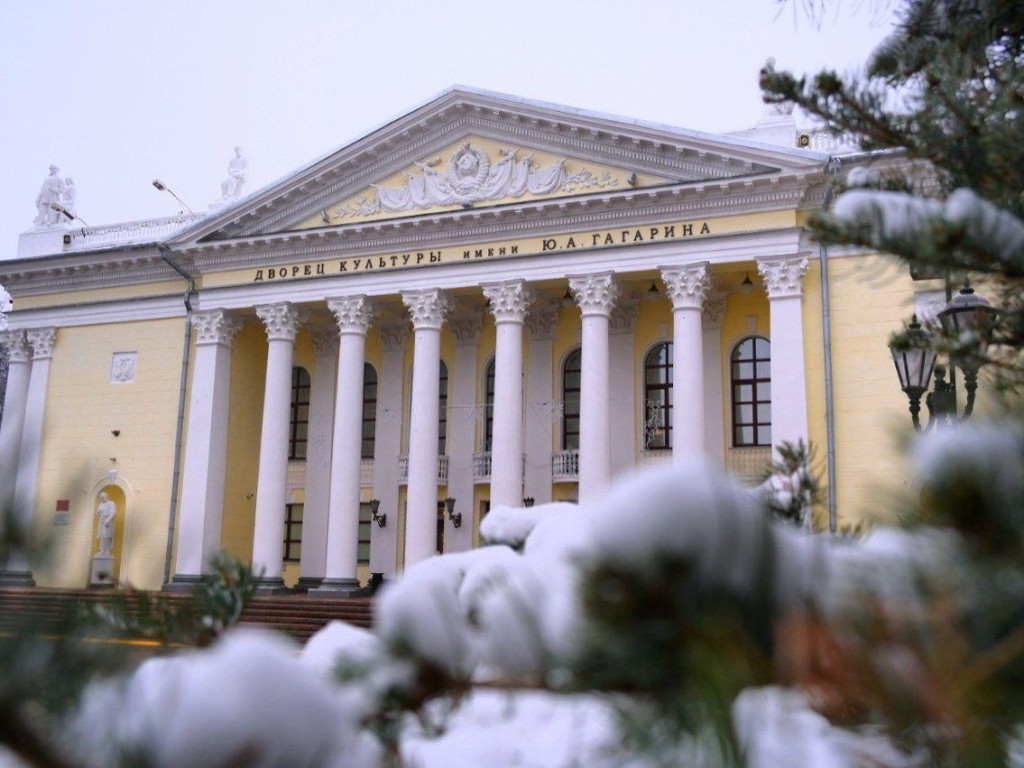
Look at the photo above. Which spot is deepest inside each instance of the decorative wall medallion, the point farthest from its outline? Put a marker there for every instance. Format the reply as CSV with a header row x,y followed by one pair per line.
x,y
122,367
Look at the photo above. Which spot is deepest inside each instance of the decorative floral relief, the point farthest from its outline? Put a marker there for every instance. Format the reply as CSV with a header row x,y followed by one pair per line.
x,y
122,367
471,177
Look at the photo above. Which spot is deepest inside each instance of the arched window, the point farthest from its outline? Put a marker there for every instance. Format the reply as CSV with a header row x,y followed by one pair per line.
x,y
489,406
658,397
751,393
299,430
442,419
571,400
369,410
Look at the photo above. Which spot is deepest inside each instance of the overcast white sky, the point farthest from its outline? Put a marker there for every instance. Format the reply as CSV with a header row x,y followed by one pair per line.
x,y
118,92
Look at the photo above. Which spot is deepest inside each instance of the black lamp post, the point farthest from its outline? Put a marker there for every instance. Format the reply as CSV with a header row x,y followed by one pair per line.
x,y
967,320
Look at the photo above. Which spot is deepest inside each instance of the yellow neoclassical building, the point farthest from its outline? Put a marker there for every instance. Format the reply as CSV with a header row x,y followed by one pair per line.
x,y
485,301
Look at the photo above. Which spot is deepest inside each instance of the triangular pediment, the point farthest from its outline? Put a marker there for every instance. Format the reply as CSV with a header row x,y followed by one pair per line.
x,y
476,151
479,172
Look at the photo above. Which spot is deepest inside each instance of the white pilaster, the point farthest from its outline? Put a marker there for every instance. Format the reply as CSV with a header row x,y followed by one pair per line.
x,y
622,376
508,301
26,483
387,446
202,487
15,400
15,403
313,561
686,287
353,314
595,294
282,323
540,416
465,323
714,419
427,309
783,280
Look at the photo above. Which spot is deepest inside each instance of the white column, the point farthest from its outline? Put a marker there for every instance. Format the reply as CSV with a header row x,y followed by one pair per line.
x,y
353,314
206,448
465,323
540,415
26,482
714,419
622,377
595,294
686,287
15,401
427,309
508,302
783,279
313,562
282,324
387,446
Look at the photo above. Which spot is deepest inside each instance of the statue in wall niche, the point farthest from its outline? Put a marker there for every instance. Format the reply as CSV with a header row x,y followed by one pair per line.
x,y
51,192
107,512
231,187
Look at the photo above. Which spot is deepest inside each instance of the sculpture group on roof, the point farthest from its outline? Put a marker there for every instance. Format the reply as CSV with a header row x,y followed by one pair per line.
x,y
55,194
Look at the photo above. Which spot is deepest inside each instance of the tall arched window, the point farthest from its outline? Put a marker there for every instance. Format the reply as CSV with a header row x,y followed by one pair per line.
x,y
489,406
751,393
369,410
299,431
658,397
442,419
571,400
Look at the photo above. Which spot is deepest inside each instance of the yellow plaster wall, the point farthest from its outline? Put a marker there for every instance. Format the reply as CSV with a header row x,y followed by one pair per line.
x,y
245,413
871,296
116,293
79,448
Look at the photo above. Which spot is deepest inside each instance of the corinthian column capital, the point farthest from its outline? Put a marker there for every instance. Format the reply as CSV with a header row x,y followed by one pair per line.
x,y
215,326
282,321
353,313
427,307
783,278
42,340
508,300
16,345
595,294
687,285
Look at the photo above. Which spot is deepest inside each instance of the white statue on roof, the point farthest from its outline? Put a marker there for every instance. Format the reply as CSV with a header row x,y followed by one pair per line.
x,y
231,187
51,192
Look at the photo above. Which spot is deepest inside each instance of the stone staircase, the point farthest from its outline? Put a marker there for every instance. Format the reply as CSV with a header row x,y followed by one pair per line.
x,y
298,616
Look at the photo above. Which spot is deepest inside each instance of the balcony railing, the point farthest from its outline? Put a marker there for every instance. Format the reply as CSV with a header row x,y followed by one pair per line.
x,y
750,465
403,468
565,466
482,467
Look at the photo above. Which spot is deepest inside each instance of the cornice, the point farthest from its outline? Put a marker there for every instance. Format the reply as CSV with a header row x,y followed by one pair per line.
x,y
55,274
641,207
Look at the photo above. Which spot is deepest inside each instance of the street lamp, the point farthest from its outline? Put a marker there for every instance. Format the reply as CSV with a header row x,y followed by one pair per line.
x,y
380,519
967,321
453,516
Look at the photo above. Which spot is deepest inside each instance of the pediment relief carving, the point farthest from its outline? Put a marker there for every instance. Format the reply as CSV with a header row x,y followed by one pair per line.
x,y
477,171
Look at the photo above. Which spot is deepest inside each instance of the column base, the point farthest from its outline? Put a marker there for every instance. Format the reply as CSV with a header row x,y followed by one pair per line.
x,y
306,583
272,586
336,588
16,579
182,582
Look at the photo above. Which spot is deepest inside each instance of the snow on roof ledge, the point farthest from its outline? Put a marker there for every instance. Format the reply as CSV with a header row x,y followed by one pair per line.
x,y
56,240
